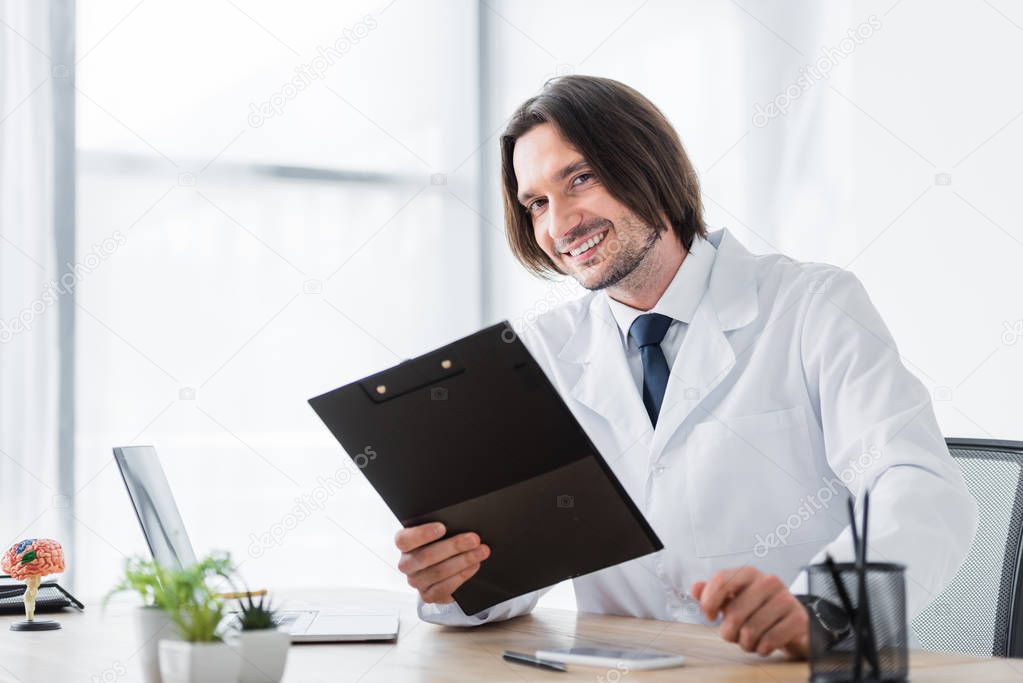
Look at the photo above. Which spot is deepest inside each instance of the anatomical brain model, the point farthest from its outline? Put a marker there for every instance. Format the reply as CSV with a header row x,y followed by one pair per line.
x,y
29,561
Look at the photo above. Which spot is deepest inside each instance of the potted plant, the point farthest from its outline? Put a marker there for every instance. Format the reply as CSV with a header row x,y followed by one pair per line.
x,y
263,648
196,610
152,623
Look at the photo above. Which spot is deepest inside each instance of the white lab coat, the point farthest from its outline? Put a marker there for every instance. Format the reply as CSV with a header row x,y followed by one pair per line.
x,y
786,394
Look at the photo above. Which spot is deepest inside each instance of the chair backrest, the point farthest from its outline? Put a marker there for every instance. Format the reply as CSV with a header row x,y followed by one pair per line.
x,y
981,611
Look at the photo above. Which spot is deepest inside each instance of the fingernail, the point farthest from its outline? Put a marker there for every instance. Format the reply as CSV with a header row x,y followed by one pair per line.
x,y
438,529
481,552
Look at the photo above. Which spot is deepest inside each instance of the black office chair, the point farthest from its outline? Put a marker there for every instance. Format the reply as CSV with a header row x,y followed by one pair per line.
x,y
981,611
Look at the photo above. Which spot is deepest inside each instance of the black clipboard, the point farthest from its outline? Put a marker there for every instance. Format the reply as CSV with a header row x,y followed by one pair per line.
x,y
474,435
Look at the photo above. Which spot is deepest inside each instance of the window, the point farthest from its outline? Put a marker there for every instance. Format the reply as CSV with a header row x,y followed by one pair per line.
x,y
276,206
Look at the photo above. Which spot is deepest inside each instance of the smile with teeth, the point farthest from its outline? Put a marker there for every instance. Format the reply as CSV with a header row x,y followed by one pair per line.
x,y
587,245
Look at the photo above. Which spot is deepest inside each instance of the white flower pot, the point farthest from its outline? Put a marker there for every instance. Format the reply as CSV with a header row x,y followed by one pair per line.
x,y
152,625
182,662
263,653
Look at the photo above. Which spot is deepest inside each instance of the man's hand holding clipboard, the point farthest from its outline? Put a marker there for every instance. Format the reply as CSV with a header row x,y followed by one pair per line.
x,y
438,566
474,436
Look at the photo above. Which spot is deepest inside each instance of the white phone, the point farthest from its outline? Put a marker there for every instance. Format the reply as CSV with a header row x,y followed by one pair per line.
x,y
625,660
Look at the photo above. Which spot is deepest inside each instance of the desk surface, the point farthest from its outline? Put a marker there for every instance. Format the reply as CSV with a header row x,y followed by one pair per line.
x,y
102,646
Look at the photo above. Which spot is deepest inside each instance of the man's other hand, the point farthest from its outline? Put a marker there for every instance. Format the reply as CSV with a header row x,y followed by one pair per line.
x,y
758,611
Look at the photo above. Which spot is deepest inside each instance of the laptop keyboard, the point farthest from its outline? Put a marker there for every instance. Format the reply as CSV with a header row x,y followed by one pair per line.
x,y
285,620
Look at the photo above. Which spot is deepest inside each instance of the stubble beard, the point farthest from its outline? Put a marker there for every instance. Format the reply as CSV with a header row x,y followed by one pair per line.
x,y
629,266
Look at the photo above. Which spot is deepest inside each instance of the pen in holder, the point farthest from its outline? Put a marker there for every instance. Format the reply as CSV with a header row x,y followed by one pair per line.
x,y
869,643
885,614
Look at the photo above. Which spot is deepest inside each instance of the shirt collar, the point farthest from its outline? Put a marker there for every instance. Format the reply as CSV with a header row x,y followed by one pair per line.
x,y
683,294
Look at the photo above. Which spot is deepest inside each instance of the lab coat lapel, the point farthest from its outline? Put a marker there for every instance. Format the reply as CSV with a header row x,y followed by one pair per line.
x,y
704,359
706,356
605,384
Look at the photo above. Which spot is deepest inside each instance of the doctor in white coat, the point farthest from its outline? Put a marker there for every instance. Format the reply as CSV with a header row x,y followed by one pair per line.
x,y
739,398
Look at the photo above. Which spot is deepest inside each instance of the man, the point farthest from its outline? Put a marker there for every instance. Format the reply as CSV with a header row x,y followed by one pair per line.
x,y
739,399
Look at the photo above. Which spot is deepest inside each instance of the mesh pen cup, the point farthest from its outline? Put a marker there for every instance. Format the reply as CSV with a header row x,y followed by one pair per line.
x,y
832,661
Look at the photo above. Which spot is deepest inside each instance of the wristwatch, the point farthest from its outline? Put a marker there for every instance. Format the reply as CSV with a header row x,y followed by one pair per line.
x,y
828,619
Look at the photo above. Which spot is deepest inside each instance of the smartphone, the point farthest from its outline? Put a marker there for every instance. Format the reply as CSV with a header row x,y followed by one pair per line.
x,y
627,660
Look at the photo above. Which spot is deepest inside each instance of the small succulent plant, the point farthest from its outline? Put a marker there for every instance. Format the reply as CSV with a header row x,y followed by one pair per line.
x,y
256,616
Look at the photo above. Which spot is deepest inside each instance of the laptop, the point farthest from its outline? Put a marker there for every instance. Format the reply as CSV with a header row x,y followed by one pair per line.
x,y
168,542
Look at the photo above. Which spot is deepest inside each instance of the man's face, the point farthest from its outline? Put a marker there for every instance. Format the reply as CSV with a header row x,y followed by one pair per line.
x,y
584,230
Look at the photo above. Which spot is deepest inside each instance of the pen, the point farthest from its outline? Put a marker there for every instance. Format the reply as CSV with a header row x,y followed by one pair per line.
x,y
865,646
869,626
858,616
850,612
529,660
243,594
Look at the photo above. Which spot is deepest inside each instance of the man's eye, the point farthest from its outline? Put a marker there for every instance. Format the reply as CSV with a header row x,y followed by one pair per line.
x,y
535,205
582,177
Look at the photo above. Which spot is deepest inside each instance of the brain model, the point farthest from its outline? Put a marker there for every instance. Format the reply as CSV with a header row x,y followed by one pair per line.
x,y
29,561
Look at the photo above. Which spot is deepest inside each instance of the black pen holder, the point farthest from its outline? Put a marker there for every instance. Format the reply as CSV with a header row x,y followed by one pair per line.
x,y
885,644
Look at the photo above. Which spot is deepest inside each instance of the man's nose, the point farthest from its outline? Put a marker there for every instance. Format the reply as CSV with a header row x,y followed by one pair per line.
x,y
564,218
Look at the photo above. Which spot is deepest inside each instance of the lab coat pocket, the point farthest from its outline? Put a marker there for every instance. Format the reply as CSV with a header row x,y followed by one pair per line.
x,y
748,476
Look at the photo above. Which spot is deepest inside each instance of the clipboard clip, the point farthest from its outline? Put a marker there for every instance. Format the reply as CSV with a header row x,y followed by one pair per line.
x,y
412,375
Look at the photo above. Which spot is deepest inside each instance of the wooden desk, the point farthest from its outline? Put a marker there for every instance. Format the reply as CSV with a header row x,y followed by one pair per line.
x,y
98,646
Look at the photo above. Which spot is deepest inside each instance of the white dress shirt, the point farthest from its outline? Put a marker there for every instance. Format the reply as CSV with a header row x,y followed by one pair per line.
x,y
678,302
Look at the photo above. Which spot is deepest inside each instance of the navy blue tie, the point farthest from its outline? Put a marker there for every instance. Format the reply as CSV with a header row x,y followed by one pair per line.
x,y
647,331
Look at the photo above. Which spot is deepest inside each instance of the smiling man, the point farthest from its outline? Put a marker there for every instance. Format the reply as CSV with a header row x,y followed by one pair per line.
x,y
739,398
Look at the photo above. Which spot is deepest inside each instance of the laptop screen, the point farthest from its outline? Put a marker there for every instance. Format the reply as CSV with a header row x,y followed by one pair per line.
x,y
154,505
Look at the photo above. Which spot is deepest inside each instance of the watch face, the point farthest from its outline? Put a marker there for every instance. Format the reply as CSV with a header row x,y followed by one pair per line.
x,y
831,616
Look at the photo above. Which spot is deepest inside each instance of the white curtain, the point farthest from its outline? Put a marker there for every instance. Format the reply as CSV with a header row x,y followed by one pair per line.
x,y
31,501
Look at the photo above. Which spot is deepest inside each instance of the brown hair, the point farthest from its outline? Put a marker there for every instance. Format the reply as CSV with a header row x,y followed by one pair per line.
x,y
631,146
